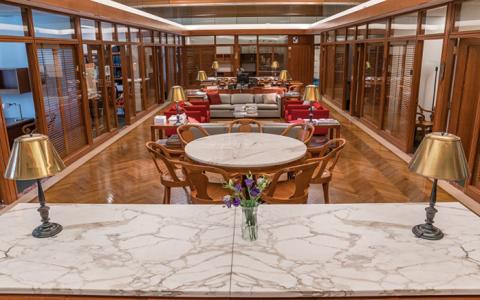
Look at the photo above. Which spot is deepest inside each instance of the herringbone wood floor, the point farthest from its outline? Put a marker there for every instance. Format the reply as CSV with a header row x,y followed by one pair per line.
x,y
124,173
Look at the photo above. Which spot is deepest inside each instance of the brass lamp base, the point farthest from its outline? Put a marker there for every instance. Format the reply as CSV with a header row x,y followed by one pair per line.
x,y
47,230
428,232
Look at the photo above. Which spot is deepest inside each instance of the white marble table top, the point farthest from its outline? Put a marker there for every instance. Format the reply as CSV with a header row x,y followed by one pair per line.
x,y
188,251
245,150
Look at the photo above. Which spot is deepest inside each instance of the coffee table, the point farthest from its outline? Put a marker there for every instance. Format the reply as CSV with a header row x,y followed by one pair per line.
x,y
245,110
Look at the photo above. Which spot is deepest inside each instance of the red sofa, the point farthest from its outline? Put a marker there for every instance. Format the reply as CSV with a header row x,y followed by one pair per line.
x,y
295,111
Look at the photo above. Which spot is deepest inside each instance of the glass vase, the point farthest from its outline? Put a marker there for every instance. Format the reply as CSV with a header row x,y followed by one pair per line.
x,y
249,223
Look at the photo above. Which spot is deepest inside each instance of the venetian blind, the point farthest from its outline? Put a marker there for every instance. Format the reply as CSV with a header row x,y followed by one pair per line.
x,y
62,98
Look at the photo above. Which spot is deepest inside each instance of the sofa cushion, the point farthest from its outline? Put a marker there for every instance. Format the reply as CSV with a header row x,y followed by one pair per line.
x,y
214,98
226,98
269,98
242,98
258,98
267,106
221,107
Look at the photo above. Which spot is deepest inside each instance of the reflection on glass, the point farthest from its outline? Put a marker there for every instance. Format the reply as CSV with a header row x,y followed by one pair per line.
x,y
467,17
317,39
434,20
163,38
149,77
146,36
405,25
156,37
225,39
361,32
316,66
12,20
377,29
273,39
107,31
340,35
247,39
171,39
137,80
52,25
431,59
122,32
350,33
224,56
331,36
113,78
399,89
134,35
373,83
248,59
339,75
200,40
89,29
96,101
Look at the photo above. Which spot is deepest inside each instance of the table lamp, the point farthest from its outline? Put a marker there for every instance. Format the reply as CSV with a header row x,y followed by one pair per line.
x,y
215,66
275,65
439,156
177,95
311,95
284,76
33,157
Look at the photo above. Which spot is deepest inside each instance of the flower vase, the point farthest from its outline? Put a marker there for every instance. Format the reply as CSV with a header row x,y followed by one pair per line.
x,y
249,223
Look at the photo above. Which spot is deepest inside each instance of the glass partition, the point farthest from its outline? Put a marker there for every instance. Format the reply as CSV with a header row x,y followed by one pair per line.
x,y
377,29
467,17
433,20
50,25
225,39
273,39
107,31
122,33
13,20
89,29
405,25
247,39
200,40
248,59
372,86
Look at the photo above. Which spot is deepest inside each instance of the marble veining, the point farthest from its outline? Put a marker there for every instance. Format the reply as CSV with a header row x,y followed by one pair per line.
x,y
119,250
245,150
357,250
189,251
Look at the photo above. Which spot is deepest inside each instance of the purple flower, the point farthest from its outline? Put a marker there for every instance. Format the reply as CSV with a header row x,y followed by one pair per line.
x,y
236,201
254,192
227,200
238,187
249,182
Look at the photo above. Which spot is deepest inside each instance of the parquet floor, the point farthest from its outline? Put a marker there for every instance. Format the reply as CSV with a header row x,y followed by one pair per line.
x,y
124,173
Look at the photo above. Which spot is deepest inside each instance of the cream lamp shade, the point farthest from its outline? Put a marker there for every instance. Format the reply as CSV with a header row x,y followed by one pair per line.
x,y
440,156
284,76
202,76
311,93
177,94
275,65
33,156
215,65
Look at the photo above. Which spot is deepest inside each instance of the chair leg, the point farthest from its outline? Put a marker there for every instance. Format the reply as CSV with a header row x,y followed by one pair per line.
x,y
166,195
325,193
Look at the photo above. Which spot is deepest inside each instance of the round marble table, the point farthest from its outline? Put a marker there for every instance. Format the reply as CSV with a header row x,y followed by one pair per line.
x,y
246,151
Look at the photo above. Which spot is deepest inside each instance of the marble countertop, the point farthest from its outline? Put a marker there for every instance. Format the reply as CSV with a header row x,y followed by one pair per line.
x,y
245,150
190,251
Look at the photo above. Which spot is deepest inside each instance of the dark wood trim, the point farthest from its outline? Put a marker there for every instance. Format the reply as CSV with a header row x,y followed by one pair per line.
x,y
8,188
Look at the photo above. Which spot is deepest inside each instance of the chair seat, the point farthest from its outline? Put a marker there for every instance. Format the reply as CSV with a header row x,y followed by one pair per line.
x,y
216,191
168,180
282,194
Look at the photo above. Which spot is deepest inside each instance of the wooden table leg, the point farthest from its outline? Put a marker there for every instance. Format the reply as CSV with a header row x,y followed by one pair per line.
x,y
337,132
153,133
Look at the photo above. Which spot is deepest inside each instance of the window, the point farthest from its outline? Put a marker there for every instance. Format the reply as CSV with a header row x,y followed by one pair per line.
x,y
247,39
361,32
163,38
171,39
377,29
331,36
12,21
350,33
107,31
134,38
427,93
122,32
156,37
269,54
200,40
273,39
248,59
225,39
405,25
434,20
339,75
317,39
340,35
89,29
147,36
372,85
467,17
224,56
50,25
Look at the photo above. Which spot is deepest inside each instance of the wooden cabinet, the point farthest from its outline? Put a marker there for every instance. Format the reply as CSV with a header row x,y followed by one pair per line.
x,y
14,81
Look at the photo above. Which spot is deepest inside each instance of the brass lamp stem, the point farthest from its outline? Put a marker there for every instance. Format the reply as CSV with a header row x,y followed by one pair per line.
x,y
428,231
47,229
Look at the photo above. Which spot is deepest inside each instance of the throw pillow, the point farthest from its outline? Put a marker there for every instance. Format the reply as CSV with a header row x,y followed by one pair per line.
x,y
270,98
214,98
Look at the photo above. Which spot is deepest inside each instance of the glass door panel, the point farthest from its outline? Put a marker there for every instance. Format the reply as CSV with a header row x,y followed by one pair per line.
x,y
372,83
339,75
136,83
114,64
150,84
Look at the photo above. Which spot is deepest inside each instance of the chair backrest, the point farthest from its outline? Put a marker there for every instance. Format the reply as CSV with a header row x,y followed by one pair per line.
x,y
200,177
161,155
423,114
190,132
326,156
304,131
302,175
245,125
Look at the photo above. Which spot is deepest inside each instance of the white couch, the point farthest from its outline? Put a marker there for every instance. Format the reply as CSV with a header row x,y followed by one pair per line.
x,y
265,110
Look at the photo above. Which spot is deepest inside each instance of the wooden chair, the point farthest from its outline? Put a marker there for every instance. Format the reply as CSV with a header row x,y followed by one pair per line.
x,y
326,158
293,191
186,133
304,132
245,125
422,125
204,188
171,176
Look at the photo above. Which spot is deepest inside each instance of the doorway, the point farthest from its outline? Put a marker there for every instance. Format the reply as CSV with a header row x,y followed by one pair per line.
x,y
115,87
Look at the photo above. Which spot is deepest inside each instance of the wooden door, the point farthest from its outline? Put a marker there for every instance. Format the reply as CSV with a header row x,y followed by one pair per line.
x,y
356,88
300,63
372,84
8,190
329,71
466,92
